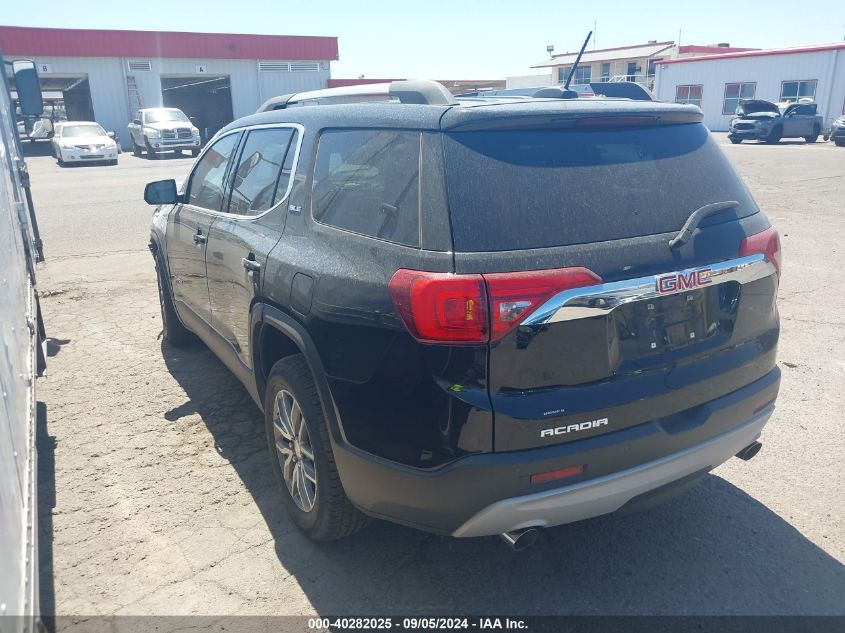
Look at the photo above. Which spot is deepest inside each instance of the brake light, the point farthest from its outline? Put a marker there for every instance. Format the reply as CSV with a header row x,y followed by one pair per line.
x,y
766,243
441,307
514,296
616,121
451,308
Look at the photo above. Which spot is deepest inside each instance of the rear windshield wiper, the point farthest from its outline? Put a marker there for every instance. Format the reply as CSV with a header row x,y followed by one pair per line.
x,y
695,219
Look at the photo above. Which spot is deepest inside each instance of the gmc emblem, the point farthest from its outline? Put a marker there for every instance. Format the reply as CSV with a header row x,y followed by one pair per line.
x,y
678,282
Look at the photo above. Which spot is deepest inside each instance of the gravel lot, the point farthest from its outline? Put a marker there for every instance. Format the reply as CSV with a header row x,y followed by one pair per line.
x,y
157,496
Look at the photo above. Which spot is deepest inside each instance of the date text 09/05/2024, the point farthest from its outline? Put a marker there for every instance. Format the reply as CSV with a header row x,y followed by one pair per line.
x,y
416,624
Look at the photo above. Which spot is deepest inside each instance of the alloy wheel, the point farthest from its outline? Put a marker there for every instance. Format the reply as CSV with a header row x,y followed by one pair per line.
x,y
294,450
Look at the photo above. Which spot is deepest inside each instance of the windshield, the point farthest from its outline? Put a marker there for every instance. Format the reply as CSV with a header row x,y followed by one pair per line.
x,y
89,129
157,116
522,189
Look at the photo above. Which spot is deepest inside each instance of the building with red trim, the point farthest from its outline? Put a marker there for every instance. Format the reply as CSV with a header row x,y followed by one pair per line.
x,y
636,62
213,77
715,83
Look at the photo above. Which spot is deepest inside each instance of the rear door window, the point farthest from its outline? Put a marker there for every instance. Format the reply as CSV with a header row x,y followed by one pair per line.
x,y
524,189
259,180
367,182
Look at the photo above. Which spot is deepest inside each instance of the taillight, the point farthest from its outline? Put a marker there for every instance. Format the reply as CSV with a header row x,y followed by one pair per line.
x,y
441,307
514,296
450,308
766,243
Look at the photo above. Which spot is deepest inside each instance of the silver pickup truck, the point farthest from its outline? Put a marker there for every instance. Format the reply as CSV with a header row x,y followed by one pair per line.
x,y
761,120
158,130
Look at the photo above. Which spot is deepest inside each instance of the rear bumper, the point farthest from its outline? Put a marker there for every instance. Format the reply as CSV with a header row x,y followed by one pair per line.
x,y
489,493
608,494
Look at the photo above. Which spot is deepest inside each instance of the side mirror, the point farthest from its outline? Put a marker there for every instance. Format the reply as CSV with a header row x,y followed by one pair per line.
x,y
28,87
111,135
161,192
136,121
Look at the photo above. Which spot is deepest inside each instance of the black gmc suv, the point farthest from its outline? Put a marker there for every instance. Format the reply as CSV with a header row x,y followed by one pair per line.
x,y
477,317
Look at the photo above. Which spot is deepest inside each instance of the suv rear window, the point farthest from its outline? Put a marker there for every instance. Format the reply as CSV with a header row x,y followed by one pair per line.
x,y
367,182
523,189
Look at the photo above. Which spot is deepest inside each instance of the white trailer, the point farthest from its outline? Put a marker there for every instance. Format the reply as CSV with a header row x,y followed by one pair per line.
x,y
22,359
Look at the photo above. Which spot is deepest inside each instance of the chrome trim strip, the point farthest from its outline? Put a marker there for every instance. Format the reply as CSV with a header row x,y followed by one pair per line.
x,y
581,303
245,129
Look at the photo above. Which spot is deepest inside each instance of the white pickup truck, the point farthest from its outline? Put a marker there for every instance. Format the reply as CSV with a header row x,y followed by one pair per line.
x,y
159,130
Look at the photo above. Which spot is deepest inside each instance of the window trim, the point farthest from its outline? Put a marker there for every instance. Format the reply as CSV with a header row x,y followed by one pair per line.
x,y
581,68
230,176
189,180
245,130
798,81
313,167
687,102
740,84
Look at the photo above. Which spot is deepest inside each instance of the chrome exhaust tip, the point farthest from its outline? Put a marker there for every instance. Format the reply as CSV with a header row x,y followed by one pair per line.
x,y
519,540
749,451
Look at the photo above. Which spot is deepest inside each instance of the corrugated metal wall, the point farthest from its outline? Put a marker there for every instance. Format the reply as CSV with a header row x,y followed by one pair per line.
x,y
107,80
827,67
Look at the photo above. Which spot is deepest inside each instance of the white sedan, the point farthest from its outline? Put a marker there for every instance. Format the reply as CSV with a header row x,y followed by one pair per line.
x,y
83,142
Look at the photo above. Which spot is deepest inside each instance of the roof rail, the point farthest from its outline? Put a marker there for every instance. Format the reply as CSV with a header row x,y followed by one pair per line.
x,y
419,91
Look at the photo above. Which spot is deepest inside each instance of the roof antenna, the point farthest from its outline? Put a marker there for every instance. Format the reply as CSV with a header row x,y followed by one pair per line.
x,y
577,59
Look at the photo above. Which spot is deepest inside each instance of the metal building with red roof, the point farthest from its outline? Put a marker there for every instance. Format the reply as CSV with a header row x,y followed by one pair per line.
x,y
716,83
107,75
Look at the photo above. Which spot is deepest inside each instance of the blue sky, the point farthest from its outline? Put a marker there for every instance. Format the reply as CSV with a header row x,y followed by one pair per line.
x,y
458,40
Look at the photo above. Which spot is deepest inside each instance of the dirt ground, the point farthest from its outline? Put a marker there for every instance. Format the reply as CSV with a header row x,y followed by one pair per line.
x,y
156,494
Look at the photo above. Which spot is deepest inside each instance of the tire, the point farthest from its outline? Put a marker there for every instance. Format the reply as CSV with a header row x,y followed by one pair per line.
x,y
136,151
812,138
61,162
173,332
151,154
840,142
774,136
331,515
113,163
736,140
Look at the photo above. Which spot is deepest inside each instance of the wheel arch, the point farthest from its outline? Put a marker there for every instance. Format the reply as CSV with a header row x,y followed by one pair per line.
x,y
276,335
156,246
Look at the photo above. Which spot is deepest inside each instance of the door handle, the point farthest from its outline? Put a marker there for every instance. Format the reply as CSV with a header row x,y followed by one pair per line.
x,y
251,265
199,238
